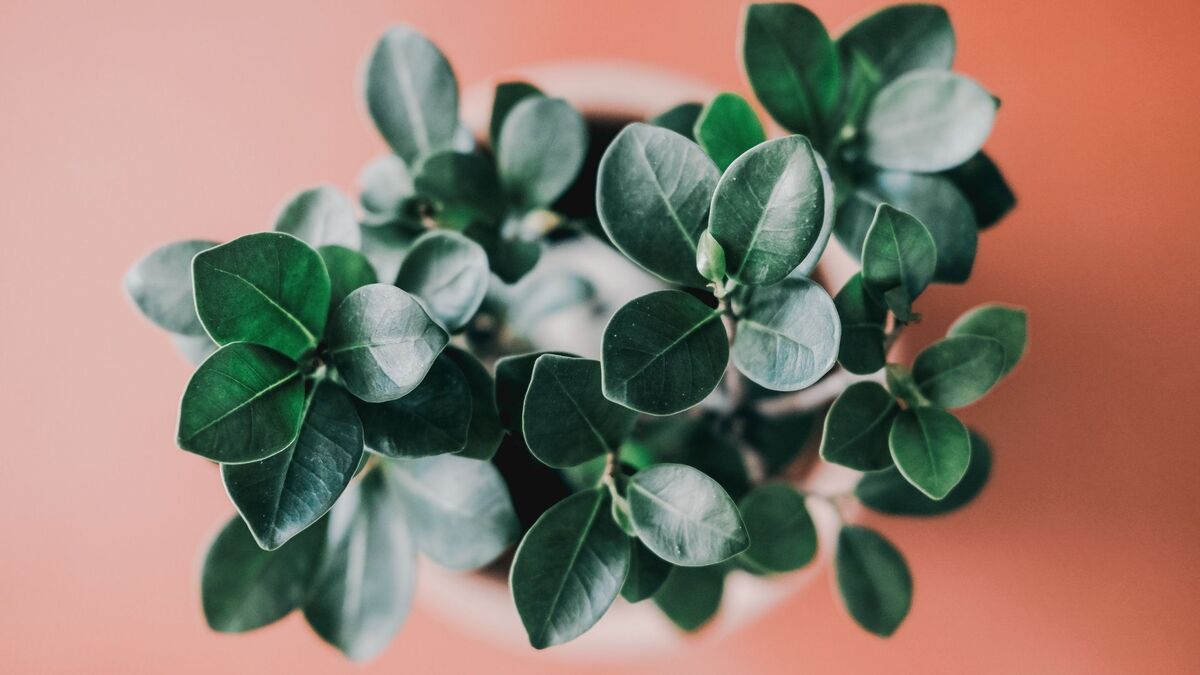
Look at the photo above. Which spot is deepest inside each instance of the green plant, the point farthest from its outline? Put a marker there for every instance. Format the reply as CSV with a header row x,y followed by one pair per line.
x,y
357,423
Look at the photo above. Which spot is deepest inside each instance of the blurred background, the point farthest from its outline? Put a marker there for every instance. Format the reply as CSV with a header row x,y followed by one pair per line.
x,y
124,125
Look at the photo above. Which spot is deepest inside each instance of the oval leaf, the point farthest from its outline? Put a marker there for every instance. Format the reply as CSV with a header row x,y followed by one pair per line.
x,y
685,517
980,181
567,420
322,216
862,320
485,433
728,127
958,371
412,94
1006,325
385,185
691,596
828,220
857,428
348,271
449,273
432,419
463,187
931,449
513,374
647,572
899,258
542,145
788,335
873,580
160,284
507,96
889,492
900,38
782,535
681,119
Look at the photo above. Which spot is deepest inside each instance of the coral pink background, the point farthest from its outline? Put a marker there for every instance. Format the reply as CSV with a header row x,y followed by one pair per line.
x,y
127,124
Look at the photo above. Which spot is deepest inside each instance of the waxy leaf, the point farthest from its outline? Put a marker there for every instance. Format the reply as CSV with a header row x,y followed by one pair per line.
x,y
282,495
728,127
793,68
322,216
430,420
889,492
681,119
569,568
567,420
385,185
507,96
788,335
782,535
243,587
348,271
160,284
459,509
464,188
449,273
542,145
1006,325
647,572
684,516
513,375
931,449
412,94
383,342
857,427
364,588
828,221
243,404
899,258
898,39
863,320
710,258
663,353
691,596
768,209
485,432
873,579
980,181
927,121
268,288
958,371
652,195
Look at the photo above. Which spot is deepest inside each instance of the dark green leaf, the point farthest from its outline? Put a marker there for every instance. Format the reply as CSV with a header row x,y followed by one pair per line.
x,y
984,186
681,119
508,95
513,374
873,579
663,353
510,256
728,127
828,219
282,495
857,428
691,595
364,589
464,189
695,442
485,431
568,569
567,420
160,284
243,404
412,94
899,258
449,273
383,342
386,245
322,216
927,121
430,420
900,38
788,335
958,371
1006,325
647,572
652,196
268,288
889,492
459,509
779,438
768,209
931,448
243,587
385,185
862,320
348,271
543,143
684,516
782,535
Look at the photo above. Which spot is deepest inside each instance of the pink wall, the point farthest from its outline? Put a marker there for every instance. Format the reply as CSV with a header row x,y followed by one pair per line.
x,y
127,124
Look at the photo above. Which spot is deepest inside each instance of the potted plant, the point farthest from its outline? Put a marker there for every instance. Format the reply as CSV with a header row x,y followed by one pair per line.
x,y
376,383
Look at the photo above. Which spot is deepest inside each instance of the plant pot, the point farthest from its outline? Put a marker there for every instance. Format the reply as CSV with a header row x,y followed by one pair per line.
x,y
480,603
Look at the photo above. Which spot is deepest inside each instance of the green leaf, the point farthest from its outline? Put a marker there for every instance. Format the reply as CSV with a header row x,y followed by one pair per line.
x,y
927,121
463,187
728,127
931,449
386,245
863,319
160,284
542,145
899,258
510,256
459,509
507,96
710,257
873,580
364,589
793,68
449,273
900,38
485,432
782,535
652,195
779,438
684,516
243,404
647,572
696,442
1006,325
957,371
691,596
857,428
383,342
900,383
768,209
568,569
567,420
432,419
889,492
828,220
385,185
322,216
282,495
243,587
980,181
663,353
412,94
513,375
348,271
681,119
788,335
268,288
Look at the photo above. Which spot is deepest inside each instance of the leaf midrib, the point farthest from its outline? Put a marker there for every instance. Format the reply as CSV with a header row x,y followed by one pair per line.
x,y
587,530
261,393
312,339
688,333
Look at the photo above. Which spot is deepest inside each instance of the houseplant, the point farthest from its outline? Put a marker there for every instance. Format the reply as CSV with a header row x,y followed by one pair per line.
x,y
357,423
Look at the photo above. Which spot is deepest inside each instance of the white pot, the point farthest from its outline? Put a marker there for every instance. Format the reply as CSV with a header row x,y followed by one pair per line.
x,y
482,604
